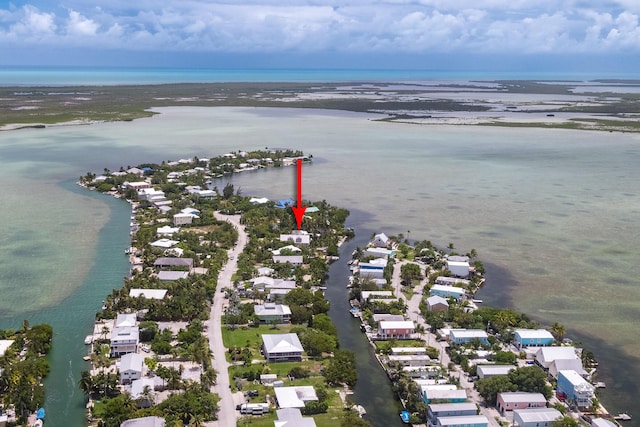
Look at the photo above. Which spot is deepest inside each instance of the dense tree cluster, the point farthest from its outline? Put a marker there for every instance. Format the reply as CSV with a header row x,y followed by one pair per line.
x,y
529,378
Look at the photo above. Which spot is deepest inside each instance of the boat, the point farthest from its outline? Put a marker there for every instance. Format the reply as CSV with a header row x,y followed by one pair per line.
x,y
40,414
405,416
88,339
623,416
360,410
477,301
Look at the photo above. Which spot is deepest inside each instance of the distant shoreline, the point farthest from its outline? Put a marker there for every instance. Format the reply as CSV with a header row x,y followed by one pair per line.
x,y
604,105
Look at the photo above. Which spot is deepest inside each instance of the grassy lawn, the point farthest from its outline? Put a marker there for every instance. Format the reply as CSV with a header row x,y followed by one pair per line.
x,y
243,337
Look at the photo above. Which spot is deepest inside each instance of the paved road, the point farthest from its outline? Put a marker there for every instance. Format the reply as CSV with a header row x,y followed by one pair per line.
x,y
227,415
413,312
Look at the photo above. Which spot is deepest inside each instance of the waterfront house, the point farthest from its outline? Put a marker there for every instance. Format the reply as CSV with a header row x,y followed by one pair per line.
x,y
373,269
566,365
184,264
379,252
429,394
167,230
294,260
463,421
396,330
532,338
131,365
575,388
366,295
282,348
536,417
157,294
458,268
546,355
410,359
297,238
144,422
436,410
486,371
448,292
270,312
164,243
509,401
170,276
292,417
463,336
295,397
125,319
437,303
379,317
380,241
139,185
602,422
124,339
452,281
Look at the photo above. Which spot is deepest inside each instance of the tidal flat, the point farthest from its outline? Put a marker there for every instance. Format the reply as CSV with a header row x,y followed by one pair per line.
x,y
593,105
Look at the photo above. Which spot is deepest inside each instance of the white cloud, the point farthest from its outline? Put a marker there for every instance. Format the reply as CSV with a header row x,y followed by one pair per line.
x,y
420,26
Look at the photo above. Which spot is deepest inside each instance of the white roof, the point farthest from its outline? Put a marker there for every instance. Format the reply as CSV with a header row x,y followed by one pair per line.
x,y
409,357
164,243
137,386
549,354
288,247
575,379
166,275
282,343
537,415
521,396
295,397
468,333
463,420
131,362
4,345
437,299
144,422
262,280
601,422
410,350
391,324
125,333
449,289
265,271
292,417
271,309
168,230
148,293
457,263
440,387
126,319
495,369
533,333
258,200
366,294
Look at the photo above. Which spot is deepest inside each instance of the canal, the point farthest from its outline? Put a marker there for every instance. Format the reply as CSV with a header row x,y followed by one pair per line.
x,y
373,390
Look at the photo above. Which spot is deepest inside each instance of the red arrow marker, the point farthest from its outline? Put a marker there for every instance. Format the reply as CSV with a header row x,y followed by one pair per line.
x,y
298,211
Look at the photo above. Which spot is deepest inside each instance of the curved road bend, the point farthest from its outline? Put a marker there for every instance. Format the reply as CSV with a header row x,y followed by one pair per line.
x,y
227,415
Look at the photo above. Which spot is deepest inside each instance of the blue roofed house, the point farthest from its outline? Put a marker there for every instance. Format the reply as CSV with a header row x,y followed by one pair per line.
x,y
284,203
532,338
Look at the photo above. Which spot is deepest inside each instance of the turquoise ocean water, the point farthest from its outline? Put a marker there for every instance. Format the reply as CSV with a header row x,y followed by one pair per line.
x,y
553,213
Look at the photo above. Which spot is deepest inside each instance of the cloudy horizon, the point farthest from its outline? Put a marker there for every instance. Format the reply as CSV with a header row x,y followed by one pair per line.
x,y
81,31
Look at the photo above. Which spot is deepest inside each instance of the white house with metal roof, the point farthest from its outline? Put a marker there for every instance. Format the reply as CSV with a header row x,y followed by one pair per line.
x,y
270,312
282,347
532,338
463,421
536,417
295,397
292,417
546,355
486,371
131,366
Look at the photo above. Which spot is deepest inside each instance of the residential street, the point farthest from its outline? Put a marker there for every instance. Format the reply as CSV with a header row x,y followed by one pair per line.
x,y
227,415
413,312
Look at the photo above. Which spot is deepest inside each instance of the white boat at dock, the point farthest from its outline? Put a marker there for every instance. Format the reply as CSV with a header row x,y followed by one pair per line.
x,y
88,339
622,417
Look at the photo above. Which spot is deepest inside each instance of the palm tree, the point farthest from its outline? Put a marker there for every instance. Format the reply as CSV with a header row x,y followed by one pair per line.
x,y
558,331
86,382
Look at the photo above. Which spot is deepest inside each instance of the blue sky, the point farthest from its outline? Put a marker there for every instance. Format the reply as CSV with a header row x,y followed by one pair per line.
x,y
342,33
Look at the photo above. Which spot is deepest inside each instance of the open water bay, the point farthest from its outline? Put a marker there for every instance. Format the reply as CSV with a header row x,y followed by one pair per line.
x,y
552,213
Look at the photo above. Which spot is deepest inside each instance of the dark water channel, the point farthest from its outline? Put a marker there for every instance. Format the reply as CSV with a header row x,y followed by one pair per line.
x,y
373,390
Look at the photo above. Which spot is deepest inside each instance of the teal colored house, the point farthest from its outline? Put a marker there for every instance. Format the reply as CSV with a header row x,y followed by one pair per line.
x,y
532,338
448,292
442,396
